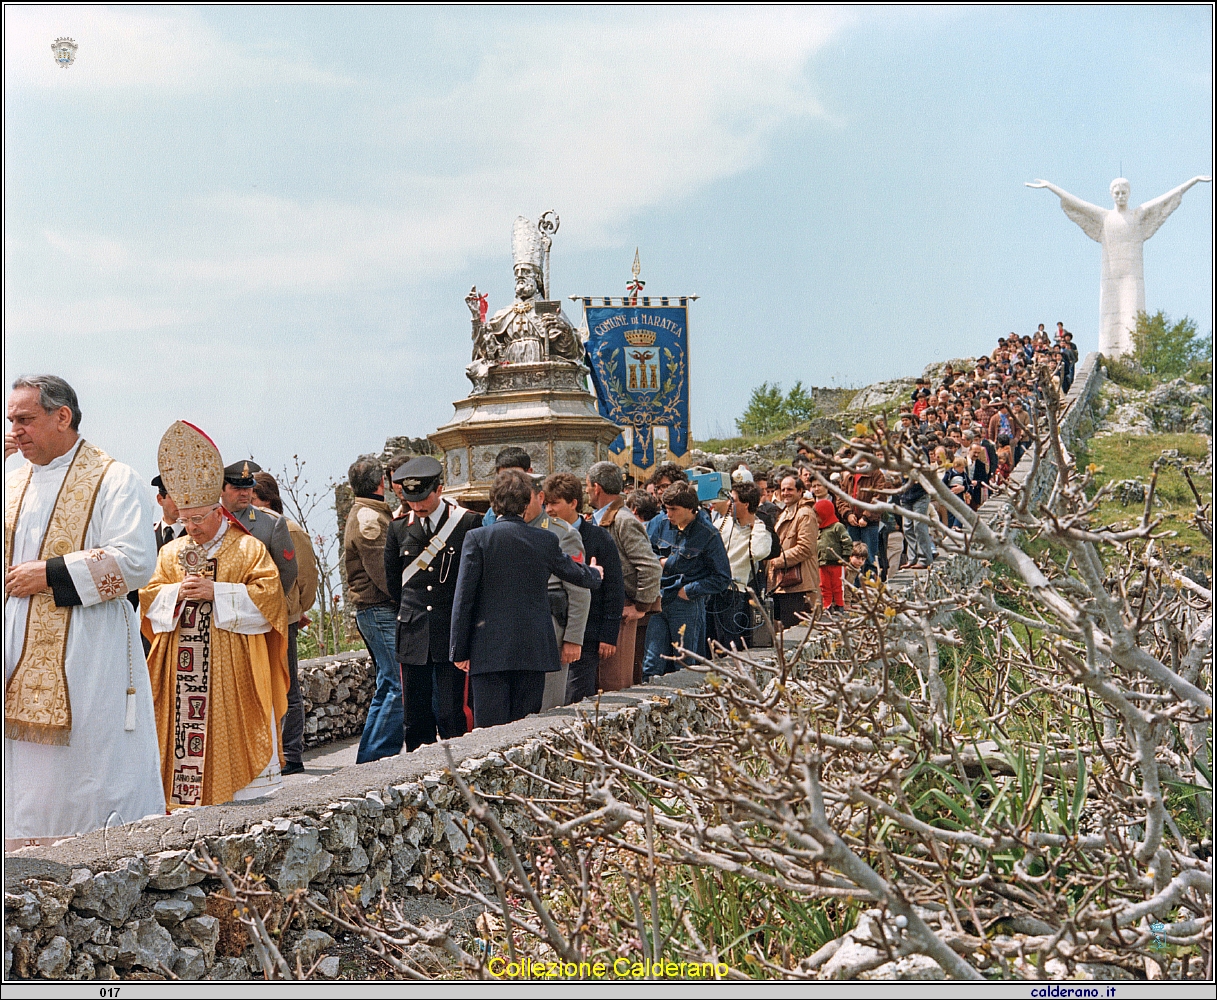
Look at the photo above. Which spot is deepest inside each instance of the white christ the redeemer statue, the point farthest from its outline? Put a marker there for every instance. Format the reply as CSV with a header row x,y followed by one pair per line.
x,y
1122,232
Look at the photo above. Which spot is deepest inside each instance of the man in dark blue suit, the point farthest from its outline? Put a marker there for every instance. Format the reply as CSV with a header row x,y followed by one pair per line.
x,y
563,498
501,628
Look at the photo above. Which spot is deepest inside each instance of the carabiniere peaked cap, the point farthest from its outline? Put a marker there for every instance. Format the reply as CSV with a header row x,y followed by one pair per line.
x,y
241,474
418,477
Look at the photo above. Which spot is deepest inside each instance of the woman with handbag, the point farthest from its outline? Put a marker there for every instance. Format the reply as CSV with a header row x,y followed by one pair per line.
x,y
794,574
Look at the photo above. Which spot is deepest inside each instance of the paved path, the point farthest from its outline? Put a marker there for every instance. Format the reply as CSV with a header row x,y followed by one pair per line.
x,y
325,759
330,758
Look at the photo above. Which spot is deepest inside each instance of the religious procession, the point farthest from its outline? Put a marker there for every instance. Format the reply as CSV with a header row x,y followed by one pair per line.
x,y
904,681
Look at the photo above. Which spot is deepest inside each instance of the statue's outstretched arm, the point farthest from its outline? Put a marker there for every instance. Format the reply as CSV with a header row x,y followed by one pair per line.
x,y
1089,217
1154,213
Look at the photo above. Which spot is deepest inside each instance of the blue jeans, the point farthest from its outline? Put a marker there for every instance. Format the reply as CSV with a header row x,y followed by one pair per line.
x,y
384,730
921,549
663,633
869,535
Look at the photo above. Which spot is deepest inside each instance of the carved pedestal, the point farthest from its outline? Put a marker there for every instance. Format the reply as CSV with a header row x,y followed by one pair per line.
x,y
544,408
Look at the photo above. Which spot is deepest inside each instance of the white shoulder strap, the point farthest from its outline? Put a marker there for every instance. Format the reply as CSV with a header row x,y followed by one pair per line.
x,y
437,543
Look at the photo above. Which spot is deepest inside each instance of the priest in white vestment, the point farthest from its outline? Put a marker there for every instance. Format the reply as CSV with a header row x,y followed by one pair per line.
x,y
80,747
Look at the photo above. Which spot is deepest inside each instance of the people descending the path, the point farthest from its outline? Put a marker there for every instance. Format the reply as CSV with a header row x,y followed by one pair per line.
x,y
640,569
502,629
833,548
695,567
794,572
564,500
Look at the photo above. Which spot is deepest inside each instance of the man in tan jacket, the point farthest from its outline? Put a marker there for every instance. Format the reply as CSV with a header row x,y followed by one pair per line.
x,y
639,567
794,573
300,598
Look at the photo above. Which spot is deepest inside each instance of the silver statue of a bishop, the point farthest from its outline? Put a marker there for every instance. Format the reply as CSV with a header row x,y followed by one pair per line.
x,y
533,328
1122,232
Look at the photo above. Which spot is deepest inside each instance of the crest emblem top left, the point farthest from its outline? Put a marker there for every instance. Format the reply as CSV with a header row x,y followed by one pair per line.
x,y
65,51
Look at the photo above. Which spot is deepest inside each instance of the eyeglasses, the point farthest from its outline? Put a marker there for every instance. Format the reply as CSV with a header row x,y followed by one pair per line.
x,y
198,519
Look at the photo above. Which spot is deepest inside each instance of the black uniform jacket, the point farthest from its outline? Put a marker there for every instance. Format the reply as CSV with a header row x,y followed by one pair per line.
x,y
425,602
500,617
604,618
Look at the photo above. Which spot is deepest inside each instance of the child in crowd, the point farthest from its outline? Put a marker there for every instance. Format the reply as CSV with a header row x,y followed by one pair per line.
x,y
855,569
1005,458
642,505
832,547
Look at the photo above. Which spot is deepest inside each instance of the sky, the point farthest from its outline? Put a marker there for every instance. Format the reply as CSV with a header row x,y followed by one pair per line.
x,y
265,219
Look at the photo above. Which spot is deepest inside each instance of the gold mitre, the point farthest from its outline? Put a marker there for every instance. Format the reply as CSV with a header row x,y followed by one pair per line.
x,y
190,466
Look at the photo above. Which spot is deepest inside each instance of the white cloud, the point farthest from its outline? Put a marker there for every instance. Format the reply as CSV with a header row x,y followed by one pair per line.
x,y
166,50
599,121
87,317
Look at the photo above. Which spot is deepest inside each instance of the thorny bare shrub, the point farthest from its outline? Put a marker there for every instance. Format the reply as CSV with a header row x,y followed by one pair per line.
x,y
1012,774
261,918
1015,773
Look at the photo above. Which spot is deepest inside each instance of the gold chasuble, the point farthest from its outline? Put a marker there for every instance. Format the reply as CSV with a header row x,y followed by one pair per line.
x,y
214,690
37,707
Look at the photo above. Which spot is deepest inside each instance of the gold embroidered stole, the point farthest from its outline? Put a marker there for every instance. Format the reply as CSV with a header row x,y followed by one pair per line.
x,y
37,708
192,676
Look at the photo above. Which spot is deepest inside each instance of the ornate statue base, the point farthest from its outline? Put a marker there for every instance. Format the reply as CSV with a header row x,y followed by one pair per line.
x,y
543,407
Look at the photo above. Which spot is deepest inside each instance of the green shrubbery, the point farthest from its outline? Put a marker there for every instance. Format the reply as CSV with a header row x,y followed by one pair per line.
x,y
1167,350
769,410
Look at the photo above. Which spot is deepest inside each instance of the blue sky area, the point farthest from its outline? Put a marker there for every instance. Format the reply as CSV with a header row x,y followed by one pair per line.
x,y
265,220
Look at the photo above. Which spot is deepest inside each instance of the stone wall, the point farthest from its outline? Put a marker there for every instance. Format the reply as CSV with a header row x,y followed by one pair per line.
x,y
125,904
337,690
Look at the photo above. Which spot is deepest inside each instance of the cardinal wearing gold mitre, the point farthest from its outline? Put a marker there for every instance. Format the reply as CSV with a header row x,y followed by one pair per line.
x,y
216,616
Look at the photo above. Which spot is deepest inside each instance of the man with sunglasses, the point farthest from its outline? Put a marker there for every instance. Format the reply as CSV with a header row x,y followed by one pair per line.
x,y
216,616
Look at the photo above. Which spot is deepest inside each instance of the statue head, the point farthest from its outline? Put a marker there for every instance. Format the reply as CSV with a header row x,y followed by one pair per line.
x,y
528,258
1120,190
528,281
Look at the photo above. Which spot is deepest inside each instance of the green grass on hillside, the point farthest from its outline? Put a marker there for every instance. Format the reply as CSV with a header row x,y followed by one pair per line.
x,y
1127,456
734,445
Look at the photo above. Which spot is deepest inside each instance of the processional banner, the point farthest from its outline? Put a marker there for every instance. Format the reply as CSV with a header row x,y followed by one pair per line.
x,y
639,360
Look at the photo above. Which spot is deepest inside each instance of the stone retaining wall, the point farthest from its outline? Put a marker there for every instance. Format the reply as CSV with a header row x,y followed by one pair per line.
x,y
125,904
337,690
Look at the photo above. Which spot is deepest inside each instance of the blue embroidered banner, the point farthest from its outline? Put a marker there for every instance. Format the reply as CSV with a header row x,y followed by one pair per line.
x,y
639,358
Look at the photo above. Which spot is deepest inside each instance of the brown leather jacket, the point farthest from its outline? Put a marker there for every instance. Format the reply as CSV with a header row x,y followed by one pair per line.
x,y
865,486
363,552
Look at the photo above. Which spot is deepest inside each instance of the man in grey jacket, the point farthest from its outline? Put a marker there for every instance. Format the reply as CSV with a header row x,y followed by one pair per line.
x,y
639,567
568,603
265,525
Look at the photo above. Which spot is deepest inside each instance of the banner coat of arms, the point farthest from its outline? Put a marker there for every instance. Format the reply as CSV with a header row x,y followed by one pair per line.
x,y
639,360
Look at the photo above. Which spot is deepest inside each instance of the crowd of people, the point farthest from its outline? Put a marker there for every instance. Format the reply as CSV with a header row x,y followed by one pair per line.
x,y
567,586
